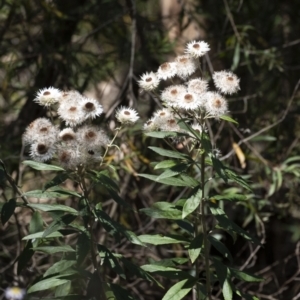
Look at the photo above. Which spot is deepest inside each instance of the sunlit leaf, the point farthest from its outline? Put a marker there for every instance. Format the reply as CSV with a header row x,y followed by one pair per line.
x,y
41,166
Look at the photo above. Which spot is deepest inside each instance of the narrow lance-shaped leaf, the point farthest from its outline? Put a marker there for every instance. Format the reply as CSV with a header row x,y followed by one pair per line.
x,y
192,203
179,290
41,166
7,210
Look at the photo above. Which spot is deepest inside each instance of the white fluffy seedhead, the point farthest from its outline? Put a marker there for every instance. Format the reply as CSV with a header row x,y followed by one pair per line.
x,y
127,115
226,82
149,81
48,96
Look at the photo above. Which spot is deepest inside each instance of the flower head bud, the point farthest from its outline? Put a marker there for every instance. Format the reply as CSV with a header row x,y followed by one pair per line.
x,y
215,105
48,96
226,82
127,115
149,81
167,70
197,49
186,65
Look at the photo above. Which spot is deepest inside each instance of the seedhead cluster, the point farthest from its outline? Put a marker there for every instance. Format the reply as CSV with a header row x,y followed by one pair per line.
x,y
189,97
80,142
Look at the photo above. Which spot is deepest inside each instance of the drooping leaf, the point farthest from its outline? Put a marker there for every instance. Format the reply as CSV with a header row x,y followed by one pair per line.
x,y
220,247
173,171
59,223
36,223
192,203
8,210
120,293
163,210
195,247
41,166
53,193
158,239
245,276
59,267
137,271
228,119
179,290
82,247
24,257
229,197
169,153
39,235
110,260
54,249
166,164
63,289
58,179
223,274
46,284
53,207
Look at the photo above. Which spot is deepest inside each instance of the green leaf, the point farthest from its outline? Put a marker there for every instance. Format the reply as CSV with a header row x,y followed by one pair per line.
x,y
179,290
115,229
137,271
220,247
206,143
227,224
108,259
59,223
8,210
228,119
166,164
229,197
161,134
175,170
54,249
58,179
195,247
82,247
236,57
192,203
53,207
46,284
63,290
36,223
119,293
158,239
163,210
245,276
169,153
39,235
181,181
227,290
170,262
41,166
54,193
103,179
237,179
223,274
59,267
24,257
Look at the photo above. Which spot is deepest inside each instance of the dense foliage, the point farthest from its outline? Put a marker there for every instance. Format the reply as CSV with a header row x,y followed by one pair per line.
x,y
101,48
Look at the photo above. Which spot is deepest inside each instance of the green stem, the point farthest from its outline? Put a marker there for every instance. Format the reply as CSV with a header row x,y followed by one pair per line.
x,y
90,226
203,224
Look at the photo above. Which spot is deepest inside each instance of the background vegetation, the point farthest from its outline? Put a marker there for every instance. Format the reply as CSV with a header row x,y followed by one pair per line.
x,y
101,48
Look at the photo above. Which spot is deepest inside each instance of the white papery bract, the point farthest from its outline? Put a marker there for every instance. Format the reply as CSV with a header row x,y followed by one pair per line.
x,y
151,124
127,115
40,128
167,70
42,150
197,86
189,101
91,108
186,65
197,49
48,96
71,112
171,94
149,81
67,136
226,82
215,104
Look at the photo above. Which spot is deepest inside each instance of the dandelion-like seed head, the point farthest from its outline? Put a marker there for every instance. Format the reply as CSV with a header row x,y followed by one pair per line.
x,y
172,93
170,124
40,128
127,115
151,125
48,96
42,151
68,157
197,86
226,82
67,135
186,65
216,105
167,70
149,81
197,48
71,113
